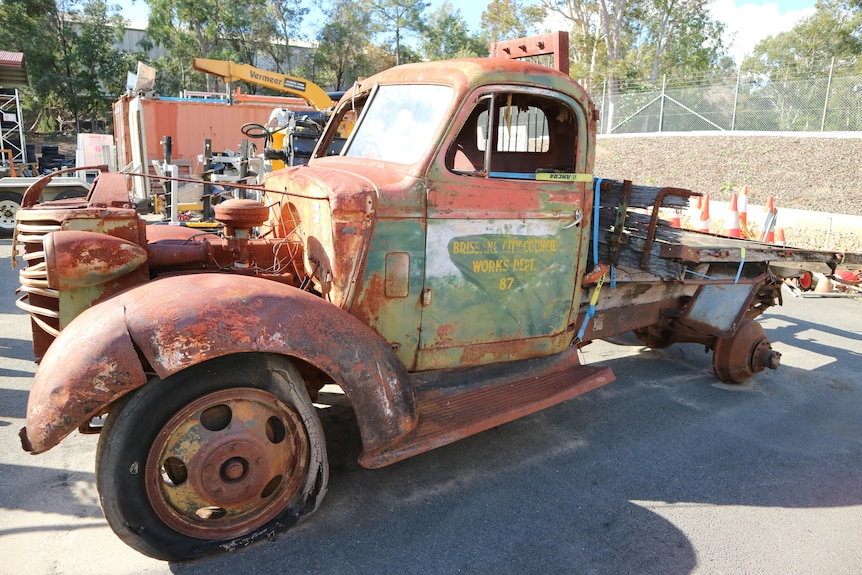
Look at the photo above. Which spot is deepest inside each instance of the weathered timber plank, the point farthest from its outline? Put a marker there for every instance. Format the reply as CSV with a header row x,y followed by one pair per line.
x,y
630,257
641,196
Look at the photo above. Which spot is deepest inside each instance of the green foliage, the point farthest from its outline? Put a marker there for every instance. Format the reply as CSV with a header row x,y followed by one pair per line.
x,y
286,18
834,30
342,53
76,70
397,17
74,66
786,75
447,36
509,19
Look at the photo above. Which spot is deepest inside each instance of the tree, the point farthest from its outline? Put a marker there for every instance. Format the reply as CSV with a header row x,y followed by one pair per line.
x,y
287,17
446,36
786,72
101,65
74,67
220,29
834,30
680,35
247,30
509,19
398,17
340,57
613,40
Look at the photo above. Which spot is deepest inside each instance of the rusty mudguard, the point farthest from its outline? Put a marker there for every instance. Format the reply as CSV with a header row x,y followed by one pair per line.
x,y
173,323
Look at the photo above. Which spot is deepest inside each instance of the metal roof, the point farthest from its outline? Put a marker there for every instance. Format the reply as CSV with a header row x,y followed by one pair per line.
x,y
13,72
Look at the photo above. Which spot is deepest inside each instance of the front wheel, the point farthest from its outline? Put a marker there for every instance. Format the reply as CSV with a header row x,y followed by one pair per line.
x,y
212,458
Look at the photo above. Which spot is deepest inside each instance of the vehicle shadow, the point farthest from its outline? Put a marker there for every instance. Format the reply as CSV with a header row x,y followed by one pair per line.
x,y
564,490
52,491
13,348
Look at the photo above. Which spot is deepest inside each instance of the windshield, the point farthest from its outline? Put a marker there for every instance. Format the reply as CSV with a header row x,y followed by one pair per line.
x,y
399,123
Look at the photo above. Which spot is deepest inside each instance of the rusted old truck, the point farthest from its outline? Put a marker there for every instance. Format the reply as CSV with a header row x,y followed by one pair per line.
x,y
438,266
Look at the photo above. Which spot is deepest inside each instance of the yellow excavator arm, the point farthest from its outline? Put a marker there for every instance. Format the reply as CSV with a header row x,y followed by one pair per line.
x,y
230,72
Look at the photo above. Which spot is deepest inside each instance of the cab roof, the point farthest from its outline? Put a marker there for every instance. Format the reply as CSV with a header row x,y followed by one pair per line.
x,y
467,74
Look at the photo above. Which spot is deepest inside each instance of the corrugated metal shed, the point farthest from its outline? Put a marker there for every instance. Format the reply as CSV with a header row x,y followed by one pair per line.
x,y
13,72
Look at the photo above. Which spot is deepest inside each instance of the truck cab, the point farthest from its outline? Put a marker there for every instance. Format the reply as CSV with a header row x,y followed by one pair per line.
x,y
454,221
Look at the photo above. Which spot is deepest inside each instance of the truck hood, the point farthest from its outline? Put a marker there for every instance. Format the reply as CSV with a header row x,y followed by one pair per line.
x,y
354,186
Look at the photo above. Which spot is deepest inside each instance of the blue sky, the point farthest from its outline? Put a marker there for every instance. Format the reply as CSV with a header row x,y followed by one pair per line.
x,y
748,21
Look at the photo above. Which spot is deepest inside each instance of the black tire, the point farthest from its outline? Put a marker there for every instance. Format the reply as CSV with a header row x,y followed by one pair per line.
x,y
10,203
212,458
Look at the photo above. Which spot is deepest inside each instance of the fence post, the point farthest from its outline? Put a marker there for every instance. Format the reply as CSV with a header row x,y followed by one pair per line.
x,y
826,99
735,99
661,105
604,126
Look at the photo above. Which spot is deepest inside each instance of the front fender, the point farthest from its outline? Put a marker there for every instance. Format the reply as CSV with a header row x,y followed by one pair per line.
x,y
180,321
86,368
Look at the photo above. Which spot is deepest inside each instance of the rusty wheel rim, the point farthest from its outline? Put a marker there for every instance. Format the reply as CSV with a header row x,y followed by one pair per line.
x,y
227,463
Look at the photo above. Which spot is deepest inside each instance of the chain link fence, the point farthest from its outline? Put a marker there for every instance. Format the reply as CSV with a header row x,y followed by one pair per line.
x,y
752,102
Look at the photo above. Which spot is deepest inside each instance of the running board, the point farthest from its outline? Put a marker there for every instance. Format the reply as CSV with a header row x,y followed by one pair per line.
x,y
450,408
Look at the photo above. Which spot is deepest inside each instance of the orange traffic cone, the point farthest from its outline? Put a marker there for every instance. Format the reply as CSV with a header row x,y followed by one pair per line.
x,y
731,227
694,218
743,207
779,237
676,219
702,225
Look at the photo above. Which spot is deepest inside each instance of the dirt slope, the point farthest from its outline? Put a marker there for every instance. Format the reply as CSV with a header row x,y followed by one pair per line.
x,y
803,172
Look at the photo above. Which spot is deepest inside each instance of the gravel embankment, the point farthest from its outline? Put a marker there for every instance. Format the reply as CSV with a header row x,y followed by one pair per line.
x,y
802,172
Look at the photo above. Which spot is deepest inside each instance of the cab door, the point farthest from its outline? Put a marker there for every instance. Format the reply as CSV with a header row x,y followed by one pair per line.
x,y
505,238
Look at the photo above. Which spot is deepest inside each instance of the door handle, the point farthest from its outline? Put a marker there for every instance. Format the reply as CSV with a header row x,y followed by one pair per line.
x,y
579,216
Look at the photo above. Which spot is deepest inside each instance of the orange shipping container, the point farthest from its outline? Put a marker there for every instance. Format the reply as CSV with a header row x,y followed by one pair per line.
x,y
140,124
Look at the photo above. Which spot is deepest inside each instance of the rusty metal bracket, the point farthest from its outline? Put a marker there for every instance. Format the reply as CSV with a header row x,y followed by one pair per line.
x,y
653,224
620,222
555,44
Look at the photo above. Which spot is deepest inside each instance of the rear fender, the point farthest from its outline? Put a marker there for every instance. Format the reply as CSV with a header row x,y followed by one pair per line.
x,y
181,321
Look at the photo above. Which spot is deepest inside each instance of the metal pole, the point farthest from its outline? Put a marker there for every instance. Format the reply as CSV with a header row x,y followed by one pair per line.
x,y
207,177
735,98
173,171
661,103
604,96
826,99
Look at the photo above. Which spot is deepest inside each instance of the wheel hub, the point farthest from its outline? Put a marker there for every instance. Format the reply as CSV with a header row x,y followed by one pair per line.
x,y
231,469
227,463
746,353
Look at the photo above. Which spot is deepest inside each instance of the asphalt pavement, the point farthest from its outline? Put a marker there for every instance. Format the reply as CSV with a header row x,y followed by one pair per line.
x,y
663,471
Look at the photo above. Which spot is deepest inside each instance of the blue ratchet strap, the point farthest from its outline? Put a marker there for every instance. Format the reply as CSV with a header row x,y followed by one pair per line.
x,y
694,273
741,261
613,276
597,197
592,309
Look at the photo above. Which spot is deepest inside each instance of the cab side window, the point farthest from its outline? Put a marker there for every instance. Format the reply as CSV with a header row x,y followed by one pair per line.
x,y
515,135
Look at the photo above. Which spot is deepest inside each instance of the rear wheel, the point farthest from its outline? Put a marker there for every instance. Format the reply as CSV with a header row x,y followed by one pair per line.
x,y
212,458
